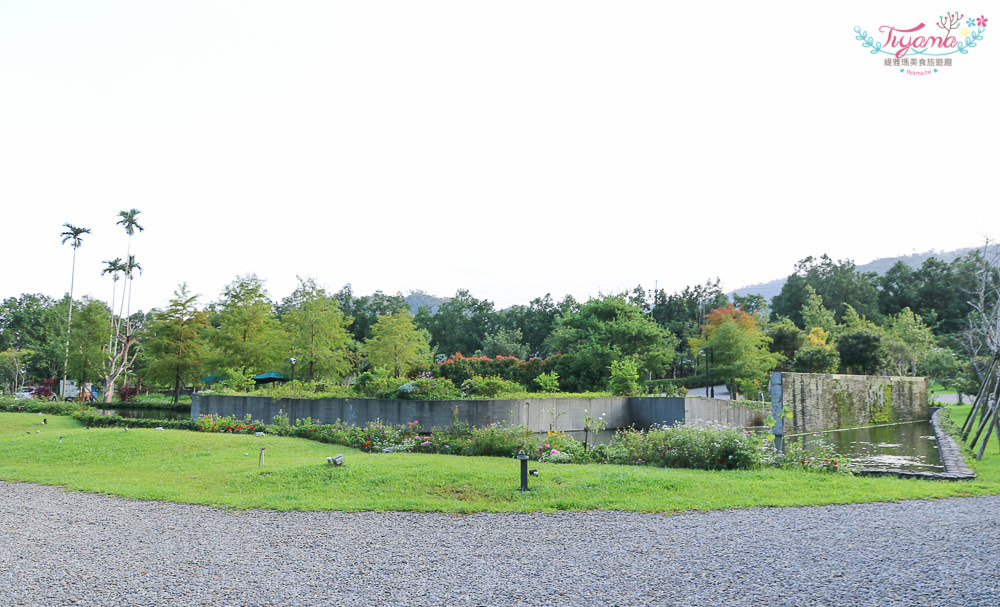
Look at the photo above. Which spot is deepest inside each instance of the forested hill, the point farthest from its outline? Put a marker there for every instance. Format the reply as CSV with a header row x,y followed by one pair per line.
x,y
421,299
880,266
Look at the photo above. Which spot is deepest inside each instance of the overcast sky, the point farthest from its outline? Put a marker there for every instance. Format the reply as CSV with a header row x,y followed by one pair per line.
x,y
511,148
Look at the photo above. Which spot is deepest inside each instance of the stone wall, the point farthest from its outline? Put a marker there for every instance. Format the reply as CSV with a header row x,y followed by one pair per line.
x,y
821,402
536,414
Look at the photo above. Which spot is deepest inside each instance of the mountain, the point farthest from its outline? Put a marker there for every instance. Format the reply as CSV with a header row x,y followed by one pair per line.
x,y
880,266
420,299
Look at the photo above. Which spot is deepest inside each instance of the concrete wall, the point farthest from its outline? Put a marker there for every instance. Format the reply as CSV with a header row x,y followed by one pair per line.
x,y
536,414
821,402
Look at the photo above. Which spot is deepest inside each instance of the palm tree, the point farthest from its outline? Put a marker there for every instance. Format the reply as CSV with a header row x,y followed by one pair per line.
x,y
131,224
73,236
115,267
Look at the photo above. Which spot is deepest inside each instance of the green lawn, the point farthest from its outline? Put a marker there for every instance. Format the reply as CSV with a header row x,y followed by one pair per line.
x,y
223,470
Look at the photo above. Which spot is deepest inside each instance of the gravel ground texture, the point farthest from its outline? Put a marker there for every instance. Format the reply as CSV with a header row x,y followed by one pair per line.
x,y
63,548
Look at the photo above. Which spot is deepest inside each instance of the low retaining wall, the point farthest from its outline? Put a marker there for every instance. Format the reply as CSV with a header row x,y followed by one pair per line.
x,y
536,414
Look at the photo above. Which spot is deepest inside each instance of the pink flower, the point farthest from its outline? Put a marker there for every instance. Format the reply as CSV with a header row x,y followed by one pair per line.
x,y
553,452
413,423
981,21
546,446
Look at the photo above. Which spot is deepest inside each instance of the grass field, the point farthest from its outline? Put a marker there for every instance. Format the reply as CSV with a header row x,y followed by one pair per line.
x,y
224,470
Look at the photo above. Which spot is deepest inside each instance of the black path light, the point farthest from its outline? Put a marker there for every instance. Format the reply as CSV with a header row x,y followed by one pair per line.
x,y
524,470
293,361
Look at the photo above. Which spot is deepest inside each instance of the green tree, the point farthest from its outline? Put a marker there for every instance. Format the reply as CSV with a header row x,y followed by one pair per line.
x,y
74,236
860,351
91,328
317,330
786,340
915,338
603,330
504,342
838,283
814,314
624,378
535,321
461,324
397,344
366,309
176,346
247,333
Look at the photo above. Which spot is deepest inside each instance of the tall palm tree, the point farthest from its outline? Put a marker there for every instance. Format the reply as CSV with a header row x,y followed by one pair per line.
x,y
115,267
73,236
127,219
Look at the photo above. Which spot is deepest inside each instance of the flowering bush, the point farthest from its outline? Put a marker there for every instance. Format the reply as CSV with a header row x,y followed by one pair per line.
x,y
706,447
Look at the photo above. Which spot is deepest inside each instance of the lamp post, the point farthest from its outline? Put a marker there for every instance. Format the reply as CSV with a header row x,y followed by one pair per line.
x,y
292,360
709,389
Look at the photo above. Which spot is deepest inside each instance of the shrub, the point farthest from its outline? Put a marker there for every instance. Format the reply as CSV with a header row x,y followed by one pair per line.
x,y
624,378
491,387
423,389
705,447
548,382
373,381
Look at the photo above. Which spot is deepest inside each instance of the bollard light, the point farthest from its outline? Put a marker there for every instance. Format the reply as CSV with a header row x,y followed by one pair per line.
x,y
262,456
524,470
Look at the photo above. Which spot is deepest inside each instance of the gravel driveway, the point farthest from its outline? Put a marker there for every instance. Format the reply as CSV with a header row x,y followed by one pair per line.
x,y
59,548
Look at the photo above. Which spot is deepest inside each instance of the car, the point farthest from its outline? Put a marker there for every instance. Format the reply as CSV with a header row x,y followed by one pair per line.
x,y
25,392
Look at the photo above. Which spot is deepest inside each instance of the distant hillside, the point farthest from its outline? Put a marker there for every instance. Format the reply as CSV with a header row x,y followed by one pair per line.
x,y
880,266
418,299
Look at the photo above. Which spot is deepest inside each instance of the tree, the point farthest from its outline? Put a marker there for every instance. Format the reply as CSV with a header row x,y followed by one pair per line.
x,y
814,314
73,235
176,345
786,340
461,324
603,330
505,342
247,333
739,348
683,313
915,339
817,355
91,328
397,344
317,330
981,337
366,309
534,321
129,221
838,283
860,351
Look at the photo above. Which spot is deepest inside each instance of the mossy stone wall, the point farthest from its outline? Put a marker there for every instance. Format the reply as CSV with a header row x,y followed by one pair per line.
x,y
821,402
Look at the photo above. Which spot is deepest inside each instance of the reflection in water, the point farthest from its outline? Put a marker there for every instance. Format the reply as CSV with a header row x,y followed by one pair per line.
x,y
909,446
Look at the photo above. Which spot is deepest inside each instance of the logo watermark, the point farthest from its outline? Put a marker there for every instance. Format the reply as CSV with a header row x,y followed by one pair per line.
x,y
919,50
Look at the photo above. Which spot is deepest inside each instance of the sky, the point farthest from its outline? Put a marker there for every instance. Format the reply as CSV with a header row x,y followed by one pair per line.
x,y
511,148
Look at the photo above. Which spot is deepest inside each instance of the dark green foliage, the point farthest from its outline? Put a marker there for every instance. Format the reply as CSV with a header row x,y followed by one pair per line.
x,y
460,324
860,352
365,310
816,359
786,339
838,283
604,330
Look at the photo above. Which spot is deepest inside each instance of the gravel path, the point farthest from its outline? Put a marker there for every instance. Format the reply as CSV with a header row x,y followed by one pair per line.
x,y
59,548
